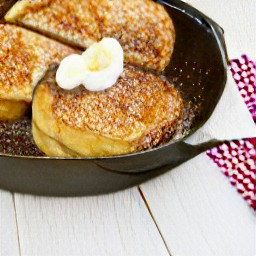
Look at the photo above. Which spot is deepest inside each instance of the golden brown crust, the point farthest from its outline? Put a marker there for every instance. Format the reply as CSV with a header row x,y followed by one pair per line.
x,y
16,64
69,21
143,27
83,142
140,111
138,100
24,58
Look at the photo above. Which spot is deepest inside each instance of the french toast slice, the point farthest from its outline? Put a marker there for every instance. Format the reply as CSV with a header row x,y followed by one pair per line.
x,y
143,27
24,58
141,111
69,21
50,146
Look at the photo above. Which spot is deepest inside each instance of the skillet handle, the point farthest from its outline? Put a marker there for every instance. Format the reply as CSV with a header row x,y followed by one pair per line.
x,y
167,157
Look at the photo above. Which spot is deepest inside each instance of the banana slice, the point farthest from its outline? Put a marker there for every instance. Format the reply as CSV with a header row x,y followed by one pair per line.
x,y
98,68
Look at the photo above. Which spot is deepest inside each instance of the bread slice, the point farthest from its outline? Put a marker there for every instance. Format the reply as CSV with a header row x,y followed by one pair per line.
x,y
24,59
139,112
143,27
50,146
69,21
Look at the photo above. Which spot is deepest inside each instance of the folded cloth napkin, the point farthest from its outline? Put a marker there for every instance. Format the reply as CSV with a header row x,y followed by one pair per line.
x,y
237,159
232,119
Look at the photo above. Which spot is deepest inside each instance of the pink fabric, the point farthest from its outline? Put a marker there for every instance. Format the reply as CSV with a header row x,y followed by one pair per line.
x,y
237,159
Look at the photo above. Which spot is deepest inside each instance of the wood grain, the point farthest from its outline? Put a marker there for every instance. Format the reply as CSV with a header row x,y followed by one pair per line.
x,y
196,209
9,245
237,18
117,224
199,213
194,206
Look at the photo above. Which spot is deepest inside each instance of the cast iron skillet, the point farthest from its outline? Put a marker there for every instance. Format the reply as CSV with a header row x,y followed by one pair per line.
x,y
198,69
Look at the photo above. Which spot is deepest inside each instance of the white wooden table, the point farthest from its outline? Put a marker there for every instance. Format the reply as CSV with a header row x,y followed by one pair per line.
x,y
182,213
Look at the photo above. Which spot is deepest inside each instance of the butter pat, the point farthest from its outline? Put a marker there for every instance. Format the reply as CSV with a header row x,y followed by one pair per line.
x,y
97,69
71,72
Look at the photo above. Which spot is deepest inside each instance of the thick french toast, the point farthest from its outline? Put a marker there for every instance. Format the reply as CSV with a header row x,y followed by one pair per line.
x,y
143,27
69,21
24,58
139,112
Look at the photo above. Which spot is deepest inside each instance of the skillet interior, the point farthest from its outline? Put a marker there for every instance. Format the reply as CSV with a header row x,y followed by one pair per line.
x,y
197,69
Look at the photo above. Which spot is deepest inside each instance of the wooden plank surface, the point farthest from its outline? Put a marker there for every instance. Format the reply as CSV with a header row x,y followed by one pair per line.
x,y
117,224
196,209
9,245
237,17
199,213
